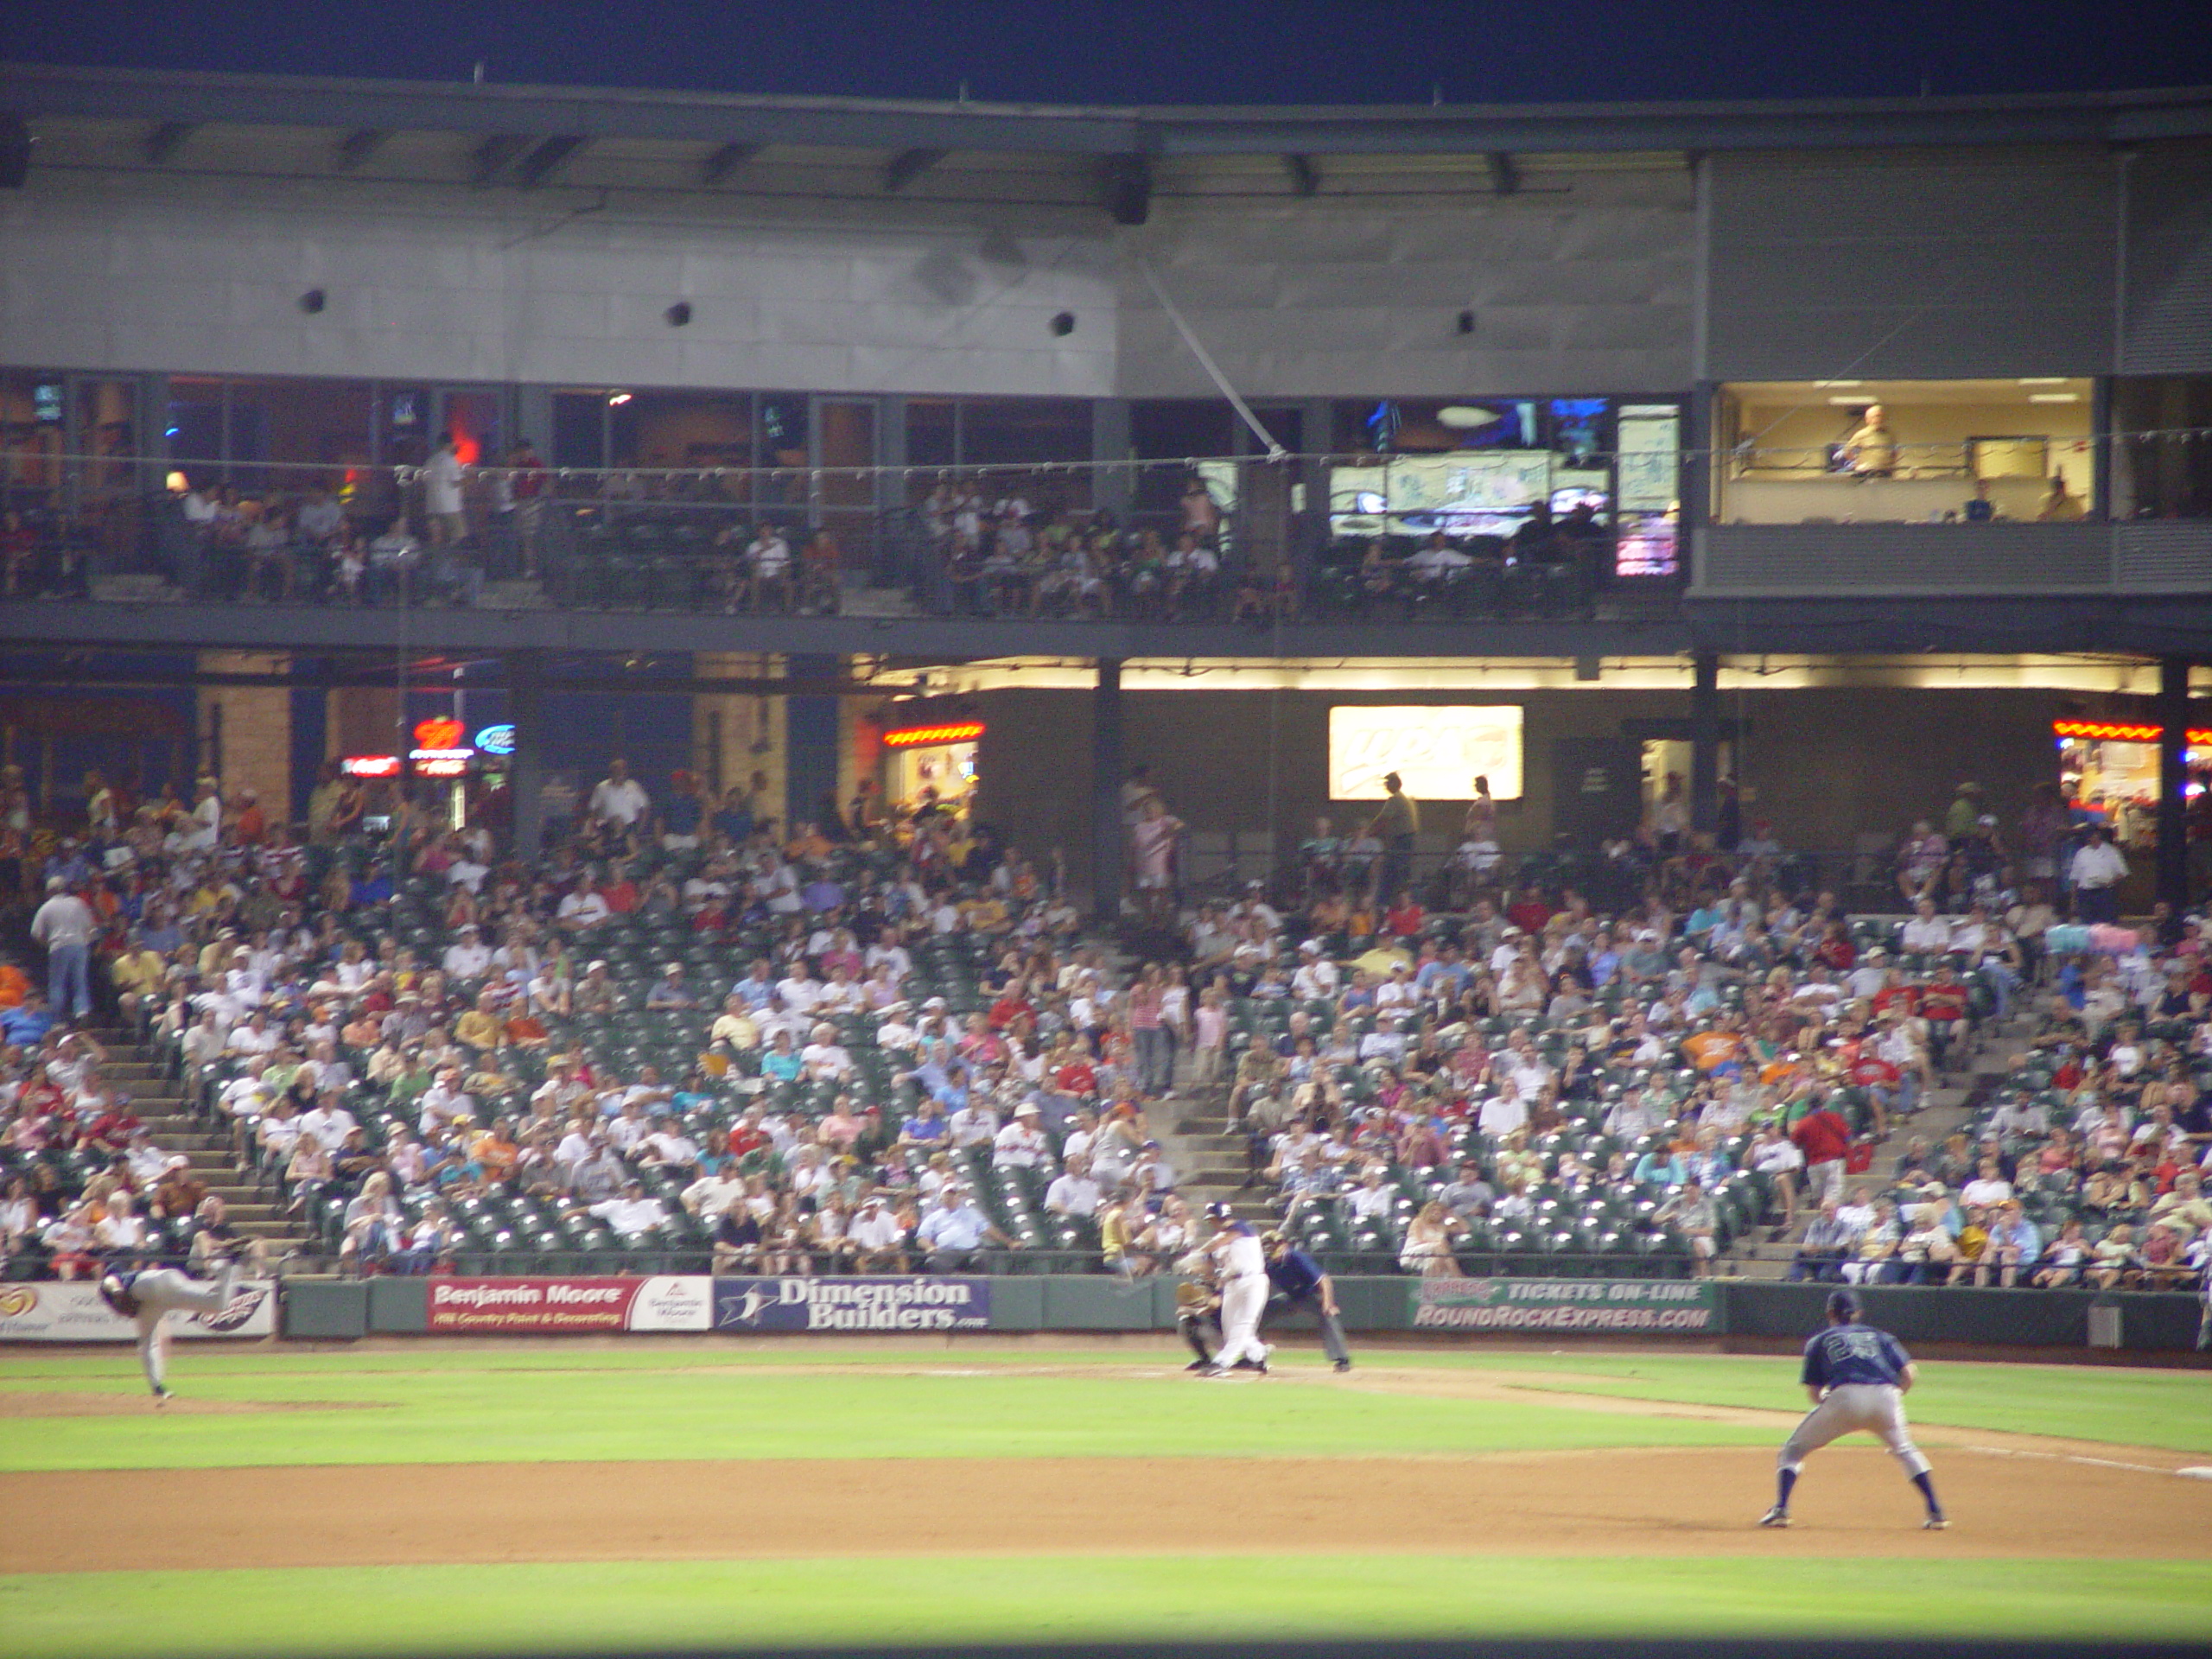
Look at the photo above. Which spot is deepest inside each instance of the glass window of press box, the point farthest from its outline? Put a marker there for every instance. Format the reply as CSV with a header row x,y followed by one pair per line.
x,y
1483,469
2162,455
1812,452
1039,443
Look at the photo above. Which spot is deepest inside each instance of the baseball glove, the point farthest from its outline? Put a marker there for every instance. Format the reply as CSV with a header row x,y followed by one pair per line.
x,y
1190,1295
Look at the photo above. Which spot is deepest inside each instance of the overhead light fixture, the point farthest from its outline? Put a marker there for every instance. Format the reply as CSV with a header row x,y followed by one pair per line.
x,y
2054,396
2043,379
1859,402
1838,383
1465,417
616,400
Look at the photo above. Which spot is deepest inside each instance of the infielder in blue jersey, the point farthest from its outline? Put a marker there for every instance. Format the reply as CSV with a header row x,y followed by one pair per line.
x,y
148,1299
1857,1377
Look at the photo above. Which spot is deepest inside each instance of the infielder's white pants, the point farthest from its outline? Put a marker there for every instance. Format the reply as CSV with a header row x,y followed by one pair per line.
x,y
1243,1301
1875,1406
163,1290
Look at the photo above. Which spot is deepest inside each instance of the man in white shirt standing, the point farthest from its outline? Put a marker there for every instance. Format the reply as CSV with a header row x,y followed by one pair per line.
x,y
65,925
2098,869
619,798
441,477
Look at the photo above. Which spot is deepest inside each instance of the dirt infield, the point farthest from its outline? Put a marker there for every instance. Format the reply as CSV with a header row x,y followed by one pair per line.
x,y
2004,1491
1692,1502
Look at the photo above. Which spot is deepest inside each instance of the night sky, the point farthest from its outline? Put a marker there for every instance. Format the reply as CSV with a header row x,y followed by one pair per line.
x,y
1169,51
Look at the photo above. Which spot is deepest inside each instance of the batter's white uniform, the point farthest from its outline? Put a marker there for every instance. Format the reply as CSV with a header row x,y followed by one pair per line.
x,y
1875,1406
161,1292
1243,1299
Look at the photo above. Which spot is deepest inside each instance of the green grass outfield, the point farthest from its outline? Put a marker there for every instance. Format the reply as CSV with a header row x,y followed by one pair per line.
x,y
641,1604
548,1401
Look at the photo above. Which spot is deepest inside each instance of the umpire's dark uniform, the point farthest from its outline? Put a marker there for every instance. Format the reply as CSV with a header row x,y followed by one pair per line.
x,y
1294,1279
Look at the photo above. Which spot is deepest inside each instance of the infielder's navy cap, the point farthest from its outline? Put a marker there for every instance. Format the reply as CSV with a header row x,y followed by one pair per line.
x,y
1843,1305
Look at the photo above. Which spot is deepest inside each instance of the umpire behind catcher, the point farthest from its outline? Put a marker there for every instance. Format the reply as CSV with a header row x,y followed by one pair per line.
x,y
1296,1280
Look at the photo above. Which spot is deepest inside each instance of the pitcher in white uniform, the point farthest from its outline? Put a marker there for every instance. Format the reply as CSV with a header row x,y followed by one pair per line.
x,y
148,1299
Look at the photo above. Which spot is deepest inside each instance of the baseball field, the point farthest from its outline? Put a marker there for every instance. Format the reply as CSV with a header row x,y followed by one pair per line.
x,y
431,1496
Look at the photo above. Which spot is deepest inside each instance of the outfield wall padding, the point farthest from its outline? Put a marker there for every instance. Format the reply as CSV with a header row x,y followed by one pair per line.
x,y
1099,1302
2034,1319
331,1309
399,1307
1017,1304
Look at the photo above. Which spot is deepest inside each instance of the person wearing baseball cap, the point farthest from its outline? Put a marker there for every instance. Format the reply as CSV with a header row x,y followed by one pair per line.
x,y
1857,1377
1297,1282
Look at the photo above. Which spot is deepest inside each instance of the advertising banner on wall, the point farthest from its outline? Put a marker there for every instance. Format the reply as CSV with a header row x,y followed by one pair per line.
x,y
549,1307
1657,1307
71,1311
891,1303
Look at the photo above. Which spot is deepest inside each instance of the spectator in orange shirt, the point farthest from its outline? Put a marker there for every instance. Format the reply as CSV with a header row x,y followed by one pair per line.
x,y
250,827
14,984
1722,1046
495,1150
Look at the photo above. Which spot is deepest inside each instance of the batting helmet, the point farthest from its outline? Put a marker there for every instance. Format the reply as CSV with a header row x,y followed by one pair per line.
x,y
1217,1212
1843,1306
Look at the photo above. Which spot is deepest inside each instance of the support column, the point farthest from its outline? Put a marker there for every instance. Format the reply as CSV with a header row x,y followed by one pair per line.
x,y
810,742
2173,781
1106,771
526,771
310,737
1705,739
1112,486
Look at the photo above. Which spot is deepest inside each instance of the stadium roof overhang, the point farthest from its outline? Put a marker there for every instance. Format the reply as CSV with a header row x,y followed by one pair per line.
x,y
187,98
523,136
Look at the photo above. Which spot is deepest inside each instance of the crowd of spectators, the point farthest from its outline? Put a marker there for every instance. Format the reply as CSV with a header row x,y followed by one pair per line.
x,y
361,537
2087,1165
873,1040
882,1040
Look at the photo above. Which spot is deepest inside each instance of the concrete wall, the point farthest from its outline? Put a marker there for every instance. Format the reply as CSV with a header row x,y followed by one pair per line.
x,y
441,284
1910,264
1824,764
1581,282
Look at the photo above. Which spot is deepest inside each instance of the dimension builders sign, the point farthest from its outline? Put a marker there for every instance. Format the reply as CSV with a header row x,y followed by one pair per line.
x,y
1658,1308
903,1303
541,1306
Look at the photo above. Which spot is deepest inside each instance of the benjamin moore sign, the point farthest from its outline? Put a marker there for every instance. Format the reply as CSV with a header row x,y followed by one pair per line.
x,y
1675,1307
665,1303
1439,749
